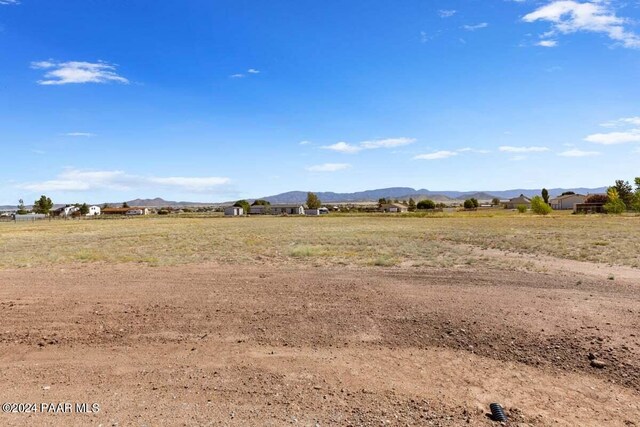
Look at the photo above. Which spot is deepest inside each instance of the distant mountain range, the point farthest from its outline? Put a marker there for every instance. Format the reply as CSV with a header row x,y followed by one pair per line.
x,y
400,193
403,193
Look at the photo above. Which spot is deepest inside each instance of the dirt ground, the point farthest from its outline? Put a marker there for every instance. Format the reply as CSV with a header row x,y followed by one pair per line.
x,y
223,345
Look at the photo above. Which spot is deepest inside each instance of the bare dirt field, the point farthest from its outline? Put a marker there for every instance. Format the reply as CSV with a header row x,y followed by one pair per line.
x,y
306,338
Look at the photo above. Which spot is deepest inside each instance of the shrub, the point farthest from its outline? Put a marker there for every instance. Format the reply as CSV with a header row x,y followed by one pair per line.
x,y
426,204
522,208
538,206
615,205
468,204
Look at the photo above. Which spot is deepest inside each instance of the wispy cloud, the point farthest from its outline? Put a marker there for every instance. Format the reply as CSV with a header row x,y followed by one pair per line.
x,y
613,138
475,27
242,75
533,149
569,16
61,73
342,147
86,180
304,142
472,150
447,13
443,154
547,43
625,121
578,153
345,147
329,167
8,2
80,134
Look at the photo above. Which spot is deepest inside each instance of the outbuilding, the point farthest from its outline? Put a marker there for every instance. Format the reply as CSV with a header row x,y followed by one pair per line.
x,y
394,207
233,211
566,202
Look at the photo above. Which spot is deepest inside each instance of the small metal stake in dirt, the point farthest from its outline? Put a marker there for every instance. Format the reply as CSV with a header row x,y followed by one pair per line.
x,y
497,413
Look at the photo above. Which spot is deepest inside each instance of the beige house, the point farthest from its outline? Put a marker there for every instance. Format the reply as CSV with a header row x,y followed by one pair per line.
x,y
394,207
277,210
567,201
517,201
233,211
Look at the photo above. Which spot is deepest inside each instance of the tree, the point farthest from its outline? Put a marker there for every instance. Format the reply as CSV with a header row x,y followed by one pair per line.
x,y
84,209
426,204
125,205
43,205
312,201
21,209
495,201
468,204
412,204
475,202
545,195
568,193
539,206
105,206
260,203
242,204
382,201
625,191
635,205
615,205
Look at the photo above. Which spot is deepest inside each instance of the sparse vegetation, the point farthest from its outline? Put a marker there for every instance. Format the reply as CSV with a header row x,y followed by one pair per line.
x,y
426,204
539,206
522,208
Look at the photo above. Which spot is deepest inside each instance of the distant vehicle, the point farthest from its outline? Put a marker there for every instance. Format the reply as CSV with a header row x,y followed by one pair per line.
x,y
323,211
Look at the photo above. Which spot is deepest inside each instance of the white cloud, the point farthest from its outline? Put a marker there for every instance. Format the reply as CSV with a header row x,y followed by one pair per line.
x,y
578,153
387,143
569,16
84,180
547,43
81,134
510,149
612,138
634,121
443,154
329,167
304,142
447,13
253,71
60,73
342,147
7,2
475,27
472,150
236,76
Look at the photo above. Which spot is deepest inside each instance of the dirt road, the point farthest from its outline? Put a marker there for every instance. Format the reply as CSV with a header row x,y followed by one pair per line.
x,y
218,345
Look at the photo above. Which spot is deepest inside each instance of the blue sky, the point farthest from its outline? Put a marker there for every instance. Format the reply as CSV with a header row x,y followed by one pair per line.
x,y
212,101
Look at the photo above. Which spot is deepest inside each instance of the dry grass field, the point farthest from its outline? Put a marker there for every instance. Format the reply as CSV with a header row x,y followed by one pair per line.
x,y
379,240
336,320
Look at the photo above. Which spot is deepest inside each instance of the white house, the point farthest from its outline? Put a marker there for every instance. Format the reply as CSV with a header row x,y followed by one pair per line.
x,y
277,210
312,212
567,201
233,211
69,210
93,210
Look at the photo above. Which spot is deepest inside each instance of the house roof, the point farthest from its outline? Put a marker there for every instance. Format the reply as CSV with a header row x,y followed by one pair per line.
x,y
520,199
566,196
394,205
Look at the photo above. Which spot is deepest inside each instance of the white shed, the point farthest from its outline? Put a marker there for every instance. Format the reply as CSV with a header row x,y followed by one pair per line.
x,y
93,210
233,211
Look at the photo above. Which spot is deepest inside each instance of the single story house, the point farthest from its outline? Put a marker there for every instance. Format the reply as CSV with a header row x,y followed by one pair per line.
x,y
233,211
286,209
94,210
517,201
125,211
394,207
567,201
65,211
